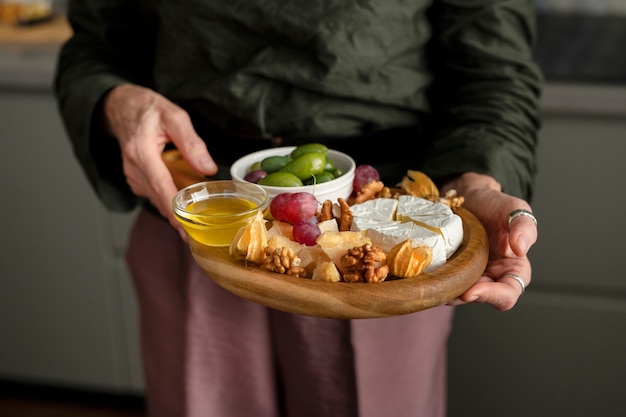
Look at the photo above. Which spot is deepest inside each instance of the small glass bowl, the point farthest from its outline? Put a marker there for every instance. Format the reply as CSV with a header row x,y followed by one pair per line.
x,y
212,212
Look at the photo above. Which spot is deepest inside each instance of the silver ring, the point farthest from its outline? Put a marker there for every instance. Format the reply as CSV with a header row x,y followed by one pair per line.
x,y
521,212
518,279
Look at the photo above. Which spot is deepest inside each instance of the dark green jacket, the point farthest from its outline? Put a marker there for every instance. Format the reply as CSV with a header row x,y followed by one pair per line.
x,y
315,68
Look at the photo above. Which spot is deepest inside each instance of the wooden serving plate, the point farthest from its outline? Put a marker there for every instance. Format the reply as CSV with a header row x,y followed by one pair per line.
x,y
343,300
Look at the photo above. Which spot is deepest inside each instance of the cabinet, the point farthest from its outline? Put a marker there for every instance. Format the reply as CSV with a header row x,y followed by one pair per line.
x,y
67,312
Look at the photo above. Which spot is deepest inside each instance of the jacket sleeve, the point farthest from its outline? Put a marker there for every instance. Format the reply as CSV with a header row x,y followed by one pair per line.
x,y
486,92
107,48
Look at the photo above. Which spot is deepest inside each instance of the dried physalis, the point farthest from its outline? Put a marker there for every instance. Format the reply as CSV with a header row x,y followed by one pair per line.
x,y
250,241
406,261
418,184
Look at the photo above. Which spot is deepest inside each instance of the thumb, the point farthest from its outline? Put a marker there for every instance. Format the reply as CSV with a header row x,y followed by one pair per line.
x,y
180,130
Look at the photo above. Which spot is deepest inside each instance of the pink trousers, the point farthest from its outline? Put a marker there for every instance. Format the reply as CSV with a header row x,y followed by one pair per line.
x,y
208,353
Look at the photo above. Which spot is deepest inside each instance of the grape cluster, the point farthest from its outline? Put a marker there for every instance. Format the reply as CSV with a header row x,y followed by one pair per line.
x,y
299,210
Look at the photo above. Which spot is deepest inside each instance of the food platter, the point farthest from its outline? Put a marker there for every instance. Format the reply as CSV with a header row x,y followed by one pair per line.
x,y
343,300
340,300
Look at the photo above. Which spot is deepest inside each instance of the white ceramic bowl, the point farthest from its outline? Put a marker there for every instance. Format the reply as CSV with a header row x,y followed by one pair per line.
x,y
331,190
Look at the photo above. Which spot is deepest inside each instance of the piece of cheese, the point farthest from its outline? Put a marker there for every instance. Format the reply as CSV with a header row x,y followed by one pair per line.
x,y
450,227
422,221
328,226
416,206
376,209
363,223
336,244
387,237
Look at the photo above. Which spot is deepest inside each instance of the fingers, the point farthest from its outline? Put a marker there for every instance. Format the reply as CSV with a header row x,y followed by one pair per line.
x,y
152,180
512,230
144,122
523,231
502,293
501,285
178,127
517,278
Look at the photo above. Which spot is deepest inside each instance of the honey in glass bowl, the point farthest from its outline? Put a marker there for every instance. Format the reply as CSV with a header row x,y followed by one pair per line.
x,y
212,212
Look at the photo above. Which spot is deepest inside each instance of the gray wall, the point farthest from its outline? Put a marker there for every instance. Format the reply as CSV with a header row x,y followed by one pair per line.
x,y
67,312
561,350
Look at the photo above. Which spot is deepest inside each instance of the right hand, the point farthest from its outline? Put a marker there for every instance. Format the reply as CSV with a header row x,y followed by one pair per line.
x,y
508,243
143,122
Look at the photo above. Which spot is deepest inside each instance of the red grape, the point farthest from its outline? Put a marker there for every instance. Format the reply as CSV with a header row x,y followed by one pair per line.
x,y
306,233
364,174
300,206
277,204
255,176
293,207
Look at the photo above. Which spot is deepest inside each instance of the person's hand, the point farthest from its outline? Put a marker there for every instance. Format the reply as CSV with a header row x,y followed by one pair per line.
x,y
143,122
509,242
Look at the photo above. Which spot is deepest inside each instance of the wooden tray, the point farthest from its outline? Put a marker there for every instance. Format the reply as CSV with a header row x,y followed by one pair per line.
x,y
343,300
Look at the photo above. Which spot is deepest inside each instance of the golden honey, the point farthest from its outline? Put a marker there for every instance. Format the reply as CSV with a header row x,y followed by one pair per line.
x,y
212,212
216,220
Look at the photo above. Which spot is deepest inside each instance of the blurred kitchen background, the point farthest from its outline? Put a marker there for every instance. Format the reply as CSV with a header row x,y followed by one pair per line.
x,y
68,322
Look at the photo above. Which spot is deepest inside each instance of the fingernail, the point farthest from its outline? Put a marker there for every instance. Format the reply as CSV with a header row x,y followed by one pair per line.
x,y
523,243
472,298
207,164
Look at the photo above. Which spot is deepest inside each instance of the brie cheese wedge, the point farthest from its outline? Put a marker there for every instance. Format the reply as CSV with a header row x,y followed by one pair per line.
x,y
412,218
383,209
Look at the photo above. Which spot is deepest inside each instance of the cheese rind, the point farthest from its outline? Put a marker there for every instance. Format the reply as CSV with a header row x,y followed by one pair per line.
x,y
412,218
449,226
376,209
388,237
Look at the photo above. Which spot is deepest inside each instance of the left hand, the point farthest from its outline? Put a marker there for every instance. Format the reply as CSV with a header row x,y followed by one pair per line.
x,y
508,243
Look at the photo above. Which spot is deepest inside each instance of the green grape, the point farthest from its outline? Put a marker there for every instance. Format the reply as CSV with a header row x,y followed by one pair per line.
x,y
330,165
308,148
323,176
274,163
307,165
281,179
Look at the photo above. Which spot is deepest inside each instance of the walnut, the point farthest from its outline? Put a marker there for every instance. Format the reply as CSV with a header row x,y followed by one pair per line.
x,y
452,199
369,191
386,193
341,213
365,263
345,219
326,211
283,260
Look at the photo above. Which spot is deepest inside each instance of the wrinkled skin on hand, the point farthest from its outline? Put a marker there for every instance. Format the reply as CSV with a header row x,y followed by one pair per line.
x,y
143,122
508,244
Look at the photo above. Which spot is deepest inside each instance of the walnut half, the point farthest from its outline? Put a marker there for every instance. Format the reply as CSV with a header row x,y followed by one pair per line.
x,y
365,263
283,261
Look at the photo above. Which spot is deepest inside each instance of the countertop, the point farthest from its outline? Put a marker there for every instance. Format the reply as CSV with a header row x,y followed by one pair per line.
x,y
28,54
52,32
